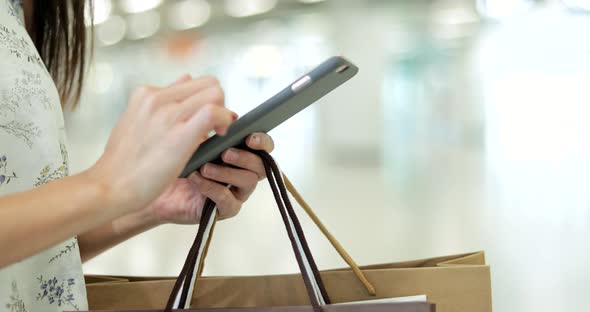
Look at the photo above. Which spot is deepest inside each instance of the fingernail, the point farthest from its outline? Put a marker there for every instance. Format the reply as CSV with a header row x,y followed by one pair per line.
x,y
231,155
234,116
255,139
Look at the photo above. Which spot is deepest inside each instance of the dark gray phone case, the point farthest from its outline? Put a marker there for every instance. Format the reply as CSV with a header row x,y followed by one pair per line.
x,y
291,100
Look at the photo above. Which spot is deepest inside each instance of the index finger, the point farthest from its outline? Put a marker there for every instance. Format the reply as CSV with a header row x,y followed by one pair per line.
x,y
184,78
183,90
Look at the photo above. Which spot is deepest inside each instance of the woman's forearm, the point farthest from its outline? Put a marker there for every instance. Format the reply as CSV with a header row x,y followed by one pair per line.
x,y
145,153
38,219
99,239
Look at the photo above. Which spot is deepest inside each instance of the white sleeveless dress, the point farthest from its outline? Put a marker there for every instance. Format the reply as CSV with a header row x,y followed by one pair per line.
x,y
32,153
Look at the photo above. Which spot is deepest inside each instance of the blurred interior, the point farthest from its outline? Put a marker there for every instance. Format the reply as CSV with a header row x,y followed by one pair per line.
x,y
466,129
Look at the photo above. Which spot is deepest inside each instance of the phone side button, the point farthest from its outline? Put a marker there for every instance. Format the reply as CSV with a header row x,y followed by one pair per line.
x,y
300,84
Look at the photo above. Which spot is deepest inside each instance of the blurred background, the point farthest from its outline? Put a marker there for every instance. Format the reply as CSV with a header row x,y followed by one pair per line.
x,y
466,129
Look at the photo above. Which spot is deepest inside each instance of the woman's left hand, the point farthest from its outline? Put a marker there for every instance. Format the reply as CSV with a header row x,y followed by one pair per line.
x,y
183,201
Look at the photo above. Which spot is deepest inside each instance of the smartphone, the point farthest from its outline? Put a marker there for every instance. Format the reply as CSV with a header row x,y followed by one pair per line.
x,y
294,98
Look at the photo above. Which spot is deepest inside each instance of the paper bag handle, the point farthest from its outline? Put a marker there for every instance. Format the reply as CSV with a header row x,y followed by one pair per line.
x,y
293,230
341,251
316,220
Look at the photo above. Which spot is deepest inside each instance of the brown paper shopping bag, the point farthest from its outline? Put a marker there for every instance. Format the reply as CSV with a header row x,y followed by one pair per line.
x,y
458,283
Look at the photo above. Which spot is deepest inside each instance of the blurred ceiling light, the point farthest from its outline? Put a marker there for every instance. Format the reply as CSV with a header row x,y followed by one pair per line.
x,y
101,10
577,4
187,14
244,8
456,16
499,9
311,1
111,31
143,25
263,60
138,6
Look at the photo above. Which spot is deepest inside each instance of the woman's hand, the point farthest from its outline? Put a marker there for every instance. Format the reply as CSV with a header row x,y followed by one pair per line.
x,y
155,137
183,200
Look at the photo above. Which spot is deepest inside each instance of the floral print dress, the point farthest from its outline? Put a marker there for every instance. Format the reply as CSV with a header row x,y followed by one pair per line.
x,y
32,153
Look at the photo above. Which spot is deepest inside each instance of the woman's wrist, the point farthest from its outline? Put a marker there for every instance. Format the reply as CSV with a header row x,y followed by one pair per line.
x,y
135,222
134,216
114,232
111,193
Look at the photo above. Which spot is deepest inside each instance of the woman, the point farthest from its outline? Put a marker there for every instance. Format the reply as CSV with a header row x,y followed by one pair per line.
x,y
49,221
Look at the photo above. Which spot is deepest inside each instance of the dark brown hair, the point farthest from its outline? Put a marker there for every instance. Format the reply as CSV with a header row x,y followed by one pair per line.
x,y
60,35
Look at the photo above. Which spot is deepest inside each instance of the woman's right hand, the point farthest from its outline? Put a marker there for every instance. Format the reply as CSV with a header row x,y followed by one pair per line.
x,y
155,137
